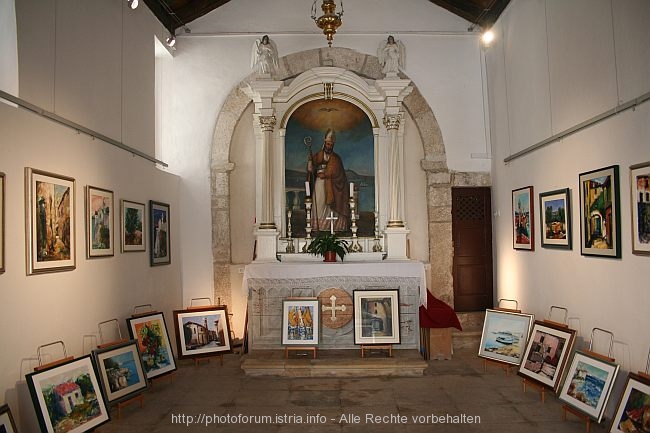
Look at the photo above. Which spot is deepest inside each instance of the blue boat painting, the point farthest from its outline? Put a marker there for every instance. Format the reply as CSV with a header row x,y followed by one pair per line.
x,y
587,384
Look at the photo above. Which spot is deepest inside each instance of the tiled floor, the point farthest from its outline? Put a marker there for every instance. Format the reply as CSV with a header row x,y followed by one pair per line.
x,y
210,397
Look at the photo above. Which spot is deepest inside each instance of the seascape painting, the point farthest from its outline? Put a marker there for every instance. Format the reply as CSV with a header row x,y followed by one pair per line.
x,y
504,336
587,384
120,370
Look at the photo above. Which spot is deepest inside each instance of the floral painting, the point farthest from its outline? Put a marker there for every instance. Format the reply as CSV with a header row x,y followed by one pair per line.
x,y
153,343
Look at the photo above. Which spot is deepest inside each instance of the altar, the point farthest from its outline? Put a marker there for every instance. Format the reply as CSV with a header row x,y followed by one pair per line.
x,y
268,284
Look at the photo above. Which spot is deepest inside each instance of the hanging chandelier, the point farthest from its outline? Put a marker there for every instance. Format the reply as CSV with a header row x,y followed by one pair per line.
x,y
330,20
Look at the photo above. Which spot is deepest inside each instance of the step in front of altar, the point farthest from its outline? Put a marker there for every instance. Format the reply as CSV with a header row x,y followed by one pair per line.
x,y
335,363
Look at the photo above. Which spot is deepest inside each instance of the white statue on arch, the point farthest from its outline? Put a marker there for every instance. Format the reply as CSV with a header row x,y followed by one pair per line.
x,y
392,56
264,56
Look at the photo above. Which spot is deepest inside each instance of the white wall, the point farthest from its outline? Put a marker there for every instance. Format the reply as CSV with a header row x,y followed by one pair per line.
x,y
94,67
553,65
442,59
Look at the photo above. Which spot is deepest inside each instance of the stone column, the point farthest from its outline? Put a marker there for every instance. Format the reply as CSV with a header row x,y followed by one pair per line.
x,y
267,124
392,123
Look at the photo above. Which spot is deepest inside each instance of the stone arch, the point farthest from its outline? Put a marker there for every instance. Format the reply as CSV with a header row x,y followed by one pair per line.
x,y
434,164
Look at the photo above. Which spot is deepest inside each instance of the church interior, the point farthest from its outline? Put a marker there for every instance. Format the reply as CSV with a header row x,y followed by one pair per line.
x,y
164,156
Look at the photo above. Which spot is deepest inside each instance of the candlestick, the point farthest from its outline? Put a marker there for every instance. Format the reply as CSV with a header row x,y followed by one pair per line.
x,y
351,189
307,189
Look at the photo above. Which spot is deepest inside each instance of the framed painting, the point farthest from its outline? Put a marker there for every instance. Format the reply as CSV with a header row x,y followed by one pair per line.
x,y
600,223
2,222
633,409
504,336
120,371
132,216
376,316
301,321
151,333
50,201
640,189
523,217
555,215
7,424
159,248
202,332
547,353
99,222
67,397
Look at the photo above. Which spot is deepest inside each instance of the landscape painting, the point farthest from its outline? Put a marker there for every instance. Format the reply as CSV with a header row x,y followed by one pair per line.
x,y
640,186
504,336
555,213
133,226
50,222
633,410
523,236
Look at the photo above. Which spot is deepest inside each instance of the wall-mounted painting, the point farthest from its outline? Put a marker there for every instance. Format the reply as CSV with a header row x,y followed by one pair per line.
x,y
160,243
640,188
50,222
7,424
2,222
600,222
504,336
153,343
132,216
633,409
120,371
99,222
376,316
555,216
588,383
547,352
523,216
329,143
202,332
67,397
300,322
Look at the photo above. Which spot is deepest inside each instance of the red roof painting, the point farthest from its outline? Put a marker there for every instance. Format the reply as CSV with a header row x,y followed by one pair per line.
x,y
66,388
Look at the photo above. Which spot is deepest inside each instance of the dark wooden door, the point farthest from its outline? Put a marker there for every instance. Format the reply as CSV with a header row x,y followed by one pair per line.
x,y
472,234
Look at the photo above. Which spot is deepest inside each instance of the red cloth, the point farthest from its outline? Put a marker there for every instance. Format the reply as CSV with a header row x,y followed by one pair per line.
x,y
437,314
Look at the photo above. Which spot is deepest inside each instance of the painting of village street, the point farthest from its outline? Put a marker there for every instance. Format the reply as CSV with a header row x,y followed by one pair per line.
x,y
599,211
640,208
68,397
202,332
504,336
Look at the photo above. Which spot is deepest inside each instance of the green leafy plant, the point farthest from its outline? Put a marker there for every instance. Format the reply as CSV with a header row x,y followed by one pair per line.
x,y
326,241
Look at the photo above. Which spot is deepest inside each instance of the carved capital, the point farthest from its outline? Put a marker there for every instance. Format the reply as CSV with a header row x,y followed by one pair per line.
x,y
267,123
392,121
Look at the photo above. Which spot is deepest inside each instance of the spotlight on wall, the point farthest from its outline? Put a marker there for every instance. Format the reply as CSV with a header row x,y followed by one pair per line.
x,y
171,41
133,3
487,37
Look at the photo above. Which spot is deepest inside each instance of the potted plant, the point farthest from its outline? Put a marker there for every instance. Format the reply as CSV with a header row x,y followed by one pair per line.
x,y
329,246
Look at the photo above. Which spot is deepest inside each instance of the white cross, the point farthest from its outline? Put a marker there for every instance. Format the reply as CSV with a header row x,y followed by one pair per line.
x,y
331,219
333,308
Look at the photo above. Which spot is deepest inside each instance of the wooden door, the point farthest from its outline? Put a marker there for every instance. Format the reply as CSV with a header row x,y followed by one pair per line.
x,y
472,236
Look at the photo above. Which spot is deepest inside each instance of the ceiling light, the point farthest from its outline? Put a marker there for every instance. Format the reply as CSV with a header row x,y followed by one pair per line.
x,y
132,3
488,37
330,20
171,41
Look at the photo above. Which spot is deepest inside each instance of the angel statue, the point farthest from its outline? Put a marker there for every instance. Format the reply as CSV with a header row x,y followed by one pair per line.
x,y
392,56
264,56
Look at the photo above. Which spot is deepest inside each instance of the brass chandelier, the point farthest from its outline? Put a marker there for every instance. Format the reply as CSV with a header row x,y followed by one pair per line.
x,y
330,20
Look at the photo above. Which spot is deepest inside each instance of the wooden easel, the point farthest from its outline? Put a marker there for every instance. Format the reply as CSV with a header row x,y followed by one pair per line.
x,y
565,407
371,347
138,398
503,365
198,359
167,376
312,349
539,387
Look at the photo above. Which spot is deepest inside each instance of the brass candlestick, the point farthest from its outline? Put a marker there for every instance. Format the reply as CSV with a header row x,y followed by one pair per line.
x,y
355,247
290,247
308,223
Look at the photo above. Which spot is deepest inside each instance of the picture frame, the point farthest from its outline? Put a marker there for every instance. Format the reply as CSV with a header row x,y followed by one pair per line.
x,y
547,353
150,330
633,408
159,234
133,222
51,240
505,335
600,222
120,370
202,332
523,219
588,383
2,222
68,394
301,322
640,203
7,423
555,219
376,316
99,222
